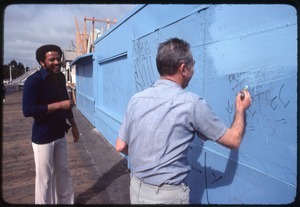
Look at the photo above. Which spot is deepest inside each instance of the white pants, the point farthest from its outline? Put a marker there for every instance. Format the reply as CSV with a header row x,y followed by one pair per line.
x,y
53,182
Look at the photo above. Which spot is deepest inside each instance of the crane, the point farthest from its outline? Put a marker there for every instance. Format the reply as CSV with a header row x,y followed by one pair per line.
x,y
82,39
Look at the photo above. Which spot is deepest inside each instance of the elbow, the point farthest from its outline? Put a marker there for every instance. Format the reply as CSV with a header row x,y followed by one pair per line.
x,y
26,113
235,142
231,139
118,148
231,146
31,110
122,149
121,146
234,146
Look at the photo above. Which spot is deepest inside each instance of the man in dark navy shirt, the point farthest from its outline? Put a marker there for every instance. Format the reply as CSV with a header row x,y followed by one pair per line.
x,y
45,98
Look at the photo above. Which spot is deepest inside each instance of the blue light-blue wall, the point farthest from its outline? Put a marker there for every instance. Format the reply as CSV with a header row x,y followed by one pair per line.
x,y
234,46
85,86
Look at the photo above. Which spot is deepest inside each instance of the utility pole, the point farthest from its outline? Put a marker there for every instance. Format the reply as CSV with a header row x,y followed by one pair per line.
x,y
10,78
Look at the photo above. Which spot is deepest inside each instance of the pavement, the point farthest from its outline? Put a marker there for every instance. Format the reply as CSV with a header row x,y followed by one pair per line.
x,y
99,172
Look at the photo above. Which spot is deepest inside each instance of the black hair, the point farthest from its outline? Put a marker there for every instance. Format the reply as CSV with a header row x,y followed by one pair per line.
x,y
41,51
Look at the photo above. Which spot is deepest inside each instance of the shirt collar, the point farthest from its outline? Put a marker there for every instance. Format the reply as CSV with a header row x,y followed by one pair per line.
x,y
44,73
166,83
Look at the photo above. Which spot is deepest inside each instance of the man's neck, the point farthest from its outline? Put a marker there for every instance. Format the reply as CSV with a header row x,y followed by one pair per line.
x,y
173,78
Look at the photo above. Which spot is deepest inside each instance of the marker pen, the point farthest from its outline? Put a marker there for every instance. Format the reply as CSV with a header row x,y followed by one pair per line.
x,y
242,93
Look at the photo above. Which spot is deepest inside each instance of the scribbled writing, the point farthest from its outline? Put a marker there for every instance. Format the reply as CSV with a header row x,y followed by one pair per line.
x,y
143,70
265,99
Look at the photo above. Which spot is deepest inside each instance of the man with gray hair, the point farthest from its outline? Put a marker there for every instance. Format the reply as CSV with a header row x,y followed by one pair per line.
x,y
162,120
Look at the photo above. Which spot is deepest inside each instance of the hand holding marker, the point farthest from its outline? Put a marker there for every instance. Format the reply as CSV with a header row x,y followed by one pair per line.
x,y
242,92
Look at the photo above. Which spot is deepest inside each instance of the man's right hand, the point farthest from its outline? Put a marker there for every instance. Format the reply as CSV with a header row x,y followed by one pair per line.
x,y
233,136
242,104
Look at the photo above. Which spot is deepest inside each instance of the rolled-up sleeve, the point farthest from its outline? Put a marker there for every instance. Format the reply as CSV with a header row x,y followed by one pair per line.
x,y
122,131
206,123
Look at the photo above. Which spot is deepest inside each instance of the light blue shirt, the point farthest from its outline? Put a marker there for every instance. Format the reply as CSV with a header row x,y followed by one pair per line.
x,y
159,124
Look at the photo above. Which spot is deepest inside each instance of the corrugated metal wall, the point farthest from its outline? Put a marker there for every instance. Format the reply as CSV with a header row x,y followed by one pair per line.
x,y
85,87
234,46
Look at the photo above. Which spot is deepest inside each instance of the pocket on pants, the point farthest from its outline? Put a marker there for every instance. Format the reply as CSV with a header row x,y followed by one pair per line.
x,y
183,195
134,197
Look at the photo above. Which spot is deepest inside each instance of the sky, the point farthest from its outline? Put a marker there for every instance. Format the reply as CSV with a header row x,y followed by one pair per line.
x,y
28,26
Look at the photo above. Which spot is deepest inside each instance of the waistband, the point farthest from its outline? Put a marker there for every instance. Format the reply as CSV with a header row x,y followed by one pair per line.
x,y
156,187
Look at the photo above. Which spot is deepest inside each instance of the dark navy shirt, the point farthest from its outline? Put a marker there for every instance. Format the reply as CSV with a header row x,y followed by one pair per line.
x,y
41,89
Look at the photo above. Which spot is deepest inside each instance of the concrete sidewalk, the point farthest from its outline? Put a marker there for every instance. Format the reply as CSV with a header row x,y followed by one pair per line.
x,y
100,174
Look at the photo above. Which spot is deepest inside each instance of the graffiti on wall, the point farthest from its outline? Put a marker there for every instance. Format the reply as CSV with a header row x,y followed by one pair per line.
x,y
272,101
231,53
114,72
143,69
263,96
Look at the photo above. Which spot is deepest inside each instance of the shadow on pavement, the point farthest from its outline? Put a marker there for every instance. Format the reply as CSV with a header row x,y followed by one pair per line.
x,y
103,182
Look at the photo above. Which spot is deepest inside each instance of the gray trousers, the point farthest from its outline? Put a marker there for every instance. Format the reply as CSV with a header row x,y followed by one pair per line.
x,y
142,193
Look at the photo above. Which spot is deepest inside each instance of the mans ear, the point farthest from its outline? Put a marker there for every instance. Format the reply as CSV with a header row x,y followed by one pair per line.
x,y
184,68
42,63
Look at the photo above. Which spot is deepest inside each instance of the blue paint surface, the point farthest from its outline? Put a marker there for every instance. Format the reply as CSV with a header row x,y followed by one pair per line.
x,y
234,46
85,90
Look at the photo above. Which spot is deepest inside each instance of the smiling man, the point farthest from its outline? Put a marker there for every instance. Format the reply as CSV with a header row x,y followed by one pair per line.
x,y
45,98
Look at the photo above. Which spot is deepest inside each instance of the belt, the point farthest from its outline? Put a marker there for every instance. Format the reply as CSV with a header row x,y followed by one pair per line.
x,y
158,187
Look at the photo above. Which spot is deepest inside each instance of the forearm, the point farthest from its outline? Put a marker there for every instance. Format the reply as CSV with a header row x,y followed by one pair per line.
x,y
239,123
75,131
53,107
72,121
234,135
64,105
238,127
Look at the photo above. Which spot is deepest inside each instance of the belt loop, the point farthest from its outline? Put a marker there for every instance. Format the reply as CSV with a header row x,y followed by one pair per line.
x,y
140,182
183,186
156,189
